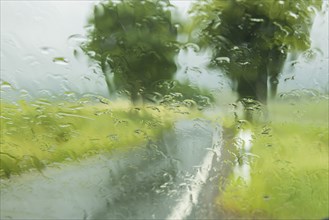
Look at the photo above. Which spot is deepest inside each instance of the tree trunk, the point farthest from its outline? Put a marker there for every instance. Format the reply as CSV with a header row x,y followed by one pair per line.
x,y
109,83
276,60
256,88
253,94
135,95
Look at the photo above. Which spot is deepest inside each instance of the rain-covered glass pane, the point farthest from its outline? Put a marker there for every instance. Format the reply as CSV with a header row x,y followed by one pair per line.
x,y
164,109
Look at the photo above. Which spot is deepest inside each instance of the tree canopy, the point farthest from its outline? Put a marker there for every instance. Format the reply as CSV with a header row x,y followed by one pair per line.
x,y
250,39
134,42
270,22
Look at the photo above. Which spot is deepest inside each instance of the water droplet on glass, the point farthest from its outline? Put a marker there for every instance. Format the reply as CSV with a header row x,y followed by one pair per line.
x,y
79,54
177,26
312,9
244,63
60,60
192,46
47,50
5,85
91,53
77,38
259,20
139,131
113,137
281,2
311,54
266,197
223,59
291,14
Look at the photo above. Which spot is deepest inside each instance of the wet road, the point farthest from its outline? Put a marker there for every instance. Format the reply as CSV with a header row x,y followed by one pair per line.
x,y
173,178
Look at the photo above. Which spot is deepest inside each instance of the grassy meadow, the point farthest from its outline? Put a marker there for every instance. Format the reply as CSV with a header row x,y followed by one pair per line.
x,y
42,133
288,166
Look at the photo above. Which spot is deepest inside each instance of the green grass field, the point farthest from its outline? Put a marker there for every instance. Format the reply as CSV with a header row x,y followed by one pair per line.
x,y
42,133
289,167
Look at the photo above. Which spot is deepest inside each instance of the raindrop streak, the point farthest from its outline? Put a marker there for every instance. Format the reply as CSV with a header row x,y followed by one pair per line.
x,y
60,60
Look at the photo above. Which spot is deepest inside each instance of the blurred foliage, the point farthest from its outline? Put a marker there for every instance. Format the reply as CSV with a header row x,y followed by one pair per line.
x,y
41,133
288,166
134,42
250,39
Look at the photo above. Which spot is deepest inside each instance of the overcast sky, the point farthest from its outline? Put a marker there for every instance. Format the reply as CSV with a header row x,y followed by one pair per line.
x,y
33,33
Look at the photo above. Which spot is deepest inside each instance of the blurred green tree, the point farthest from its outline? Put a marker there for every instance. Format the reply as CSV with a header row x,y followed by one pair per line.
x,y
250,39
134,42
